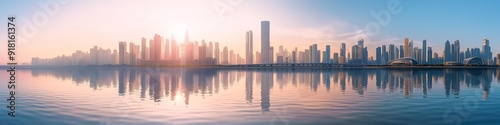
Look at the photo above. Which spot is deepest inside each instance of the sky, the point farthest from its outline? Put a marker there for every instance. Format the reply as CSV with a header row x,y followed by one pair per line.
x,y
49,28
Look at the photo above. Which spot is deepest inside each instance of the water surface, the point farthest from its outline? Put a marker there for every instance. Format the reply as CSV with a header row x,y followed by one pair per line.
x,y
158,96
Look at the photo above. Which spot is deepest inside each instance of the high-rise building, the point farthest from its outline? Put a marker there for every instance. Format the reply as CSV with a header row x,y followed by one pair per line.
x,y
407,51
401,51
378,55
384,54
132,54
143,48
498,59
217,52
167,50
249,47
397,53
326,55
271,52
313,53
392,52
361,51
122,50
456,52
210,50
429,54
224,56
265,42
336,58
486,51
342,51
410,49
203,50
424,52
447,51
232,57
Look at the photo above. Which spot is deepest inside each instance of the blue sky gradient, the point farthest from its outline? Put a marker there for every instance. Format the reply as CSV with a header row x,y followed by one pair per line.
x,y
294,23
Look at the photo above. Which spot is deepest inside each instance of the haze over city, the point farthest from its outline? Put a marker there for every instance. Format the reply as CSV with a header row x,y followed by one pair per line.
x,y
293,24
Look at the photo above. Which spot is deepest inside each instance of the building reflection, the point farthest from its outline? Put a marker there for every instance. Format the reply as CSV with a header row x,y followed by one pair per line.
x,y
175,84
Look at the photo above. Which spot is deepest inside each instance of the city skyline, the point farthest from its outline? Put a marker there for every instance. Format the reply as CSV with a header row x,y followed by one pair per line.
x,y
300,28
191,53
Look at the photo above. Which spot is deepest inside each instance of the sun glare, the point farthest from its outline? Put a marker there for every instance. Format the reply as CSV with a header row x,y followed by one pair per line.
x,y
179,31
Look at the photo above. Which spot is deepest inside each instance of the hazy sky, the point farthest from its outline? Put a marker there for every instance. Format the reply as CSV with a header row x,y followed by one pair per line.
x,y
79,25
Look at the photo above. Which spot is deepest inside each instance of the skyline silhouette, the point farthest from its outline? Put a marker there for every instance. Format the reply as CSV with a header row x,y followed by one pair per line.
x,y
294,23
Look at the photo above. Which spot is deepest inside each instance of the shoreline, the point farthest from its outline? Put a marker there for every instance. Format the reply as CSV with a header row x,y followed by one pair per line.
x,y
265,67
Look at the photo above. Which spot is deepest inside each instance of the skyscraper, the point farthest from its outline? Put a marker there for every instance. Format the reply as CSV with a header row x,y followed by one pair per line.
x,y
486,51
424,52
410,49
391,52
429,58
361,50
378,55
265,42
122,50
447,51
210,50
384,54
401,51
407,51
217,52
143,48
342,51
271,54
313,53
167,49
456,52
326,56
132,54
498,59
249,47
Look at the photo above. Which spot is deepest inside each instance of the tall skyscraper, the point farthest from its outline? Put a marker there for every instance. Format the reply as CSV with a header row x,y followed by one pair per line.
x,y
384,54
122,50
155,48
224,56
401,51
498,59
265,42
342,52
456,52
132,54
486,51
271,54
410,49
313,53
378,55
143,48
447,51
424,52
217,52
249,47
360,52
429,58
391,52
203,50
167,50
326,56
210,50
407,51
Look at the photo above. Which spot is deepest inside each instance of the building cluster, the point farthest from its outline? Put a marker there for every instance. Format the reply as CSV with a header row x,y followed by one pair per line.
x,y
167,51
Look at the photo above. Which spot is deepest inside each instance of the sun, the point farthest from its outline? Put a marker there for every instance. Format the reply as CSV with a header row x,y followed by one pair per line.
x,y
179,32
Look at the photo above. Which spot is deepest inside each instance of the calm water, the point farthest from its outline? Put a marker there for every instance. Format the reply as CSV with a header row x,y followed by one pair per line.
x,y
152,96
